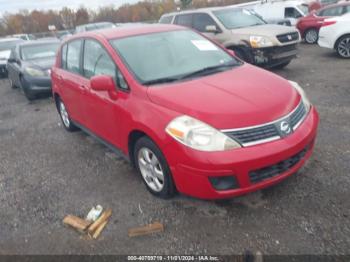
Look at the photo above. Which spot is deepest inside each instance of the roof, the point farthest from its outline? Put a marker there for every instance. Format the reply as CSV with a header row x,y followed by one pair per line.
x,y
7,39
335,5
39,42
125,31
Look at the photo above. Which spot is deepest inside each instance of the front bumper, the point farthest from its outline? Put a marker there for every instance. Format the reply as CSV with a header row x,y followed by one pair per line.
x,y
192,169
273,56
37,85
325,42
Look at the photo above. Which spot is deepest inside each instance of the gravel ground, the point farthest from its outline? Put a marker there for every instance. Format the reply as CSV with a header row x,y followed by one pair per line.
x,y
46,173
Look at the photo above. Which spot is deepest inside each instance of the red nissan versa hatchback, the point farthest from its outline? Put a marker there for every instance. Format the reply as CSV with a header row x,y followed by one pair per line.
x,y
186,112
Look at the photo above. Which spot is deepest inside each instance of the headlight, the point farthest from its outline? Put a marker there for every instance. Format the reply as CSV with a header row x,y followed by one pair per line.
x,y
260,41
303,95
198,135
34,72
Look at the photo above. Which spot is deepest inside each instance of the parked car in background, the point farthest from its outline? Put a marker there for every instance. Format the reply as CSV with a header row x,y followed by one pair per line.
x,y
276,11
335,34
318,4
244,32
94,26
6,45
29,66
63,34
223,128
25,36
310,25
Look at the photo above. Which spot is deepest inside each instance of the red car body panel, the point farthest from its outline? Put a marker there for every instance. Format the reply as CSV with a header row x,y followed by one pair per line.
x,y
314,21
241,97
308,22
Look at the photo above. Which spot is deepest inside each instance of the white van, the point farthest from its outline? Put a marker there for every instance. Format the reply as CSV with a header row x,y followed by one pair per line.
x,y
277,11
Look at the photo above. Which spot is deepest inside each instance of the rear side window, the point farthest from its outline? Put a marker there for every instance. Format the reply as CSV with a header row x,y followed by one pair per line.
x,y
291,12
184,20
73,56
201,21
64,57
335,11
166,19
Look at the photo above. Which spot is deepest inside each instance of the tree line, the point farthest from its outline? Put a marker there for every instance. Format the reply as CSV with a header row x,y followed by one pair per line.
x,y
37,21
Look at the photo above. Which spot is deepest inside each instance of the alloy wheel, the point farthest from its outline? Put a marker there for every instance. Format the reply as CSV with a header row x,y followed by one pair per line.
x,y
151,169
311,36
64,115
344,47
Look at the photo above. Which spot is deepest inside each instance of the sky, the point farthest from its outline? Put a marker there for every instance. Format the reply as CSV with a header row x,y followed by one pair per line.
x,y
12,6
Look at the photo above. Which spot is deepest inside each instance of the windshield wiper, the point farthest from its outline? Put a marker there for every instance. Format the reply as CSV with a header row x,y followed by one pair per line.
x,y
208,70
160,80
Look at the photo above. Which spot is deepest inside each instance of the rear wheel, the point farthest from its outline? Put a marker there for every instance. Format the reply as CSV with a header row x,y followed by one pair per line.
x,y
152,166
12,85
311,36
66,120
343,46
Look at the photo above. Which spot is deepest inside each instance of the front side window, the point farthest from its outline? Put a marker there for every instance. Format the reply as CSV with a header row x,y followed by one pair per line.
x,y
97,61
184,20
166,19
170,55
30,52
201,21
291,12
335,11
236,18
73,56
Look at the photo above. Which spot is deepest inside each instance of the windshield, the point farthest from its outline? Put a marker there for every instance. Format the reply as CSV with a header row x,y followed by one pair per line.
x,y
169,55
304,9
235,18
8,45
39,51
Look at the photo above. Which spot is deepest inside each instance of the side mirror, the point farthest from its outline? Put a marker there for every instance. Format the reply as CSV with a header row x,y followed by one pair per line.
x,y
231,52
211,29
102,83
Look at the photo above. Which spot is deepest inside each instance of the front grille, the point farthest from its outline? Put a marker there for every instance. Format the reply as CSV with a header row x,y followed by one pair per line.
x,y
297,116
290,37
269,132
277,169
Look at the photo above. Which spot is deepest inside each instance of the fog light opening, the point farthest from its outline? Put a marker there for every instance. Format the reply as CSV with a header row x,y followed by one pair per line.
x,y
223,182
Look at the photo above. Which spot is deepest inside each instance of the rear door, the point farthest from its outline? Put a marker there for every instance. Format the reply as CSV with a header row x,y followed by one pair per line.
x,y
70,79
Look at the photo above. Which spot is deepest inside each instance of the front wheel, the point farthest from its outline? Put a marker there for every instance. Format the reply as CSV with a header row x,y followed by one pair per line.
x,y
343,46
152,166
311,36
66,120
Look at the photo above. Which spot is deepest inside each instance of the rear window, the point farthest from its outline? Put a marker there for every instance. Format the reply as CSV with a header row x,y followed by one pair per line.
x,y
166,19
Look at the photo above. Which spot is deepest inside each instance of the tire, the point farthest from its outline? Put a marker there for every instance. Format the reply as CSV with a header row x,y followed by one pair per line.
x,y
283,65
12,85
241,55
153,168
26,92
311,36
343,46
66,120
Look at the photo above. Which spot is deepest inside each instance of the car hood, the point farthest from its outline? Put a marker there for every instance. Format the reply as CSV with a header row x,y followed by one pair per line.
x,y
42,63
241,97
264,30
